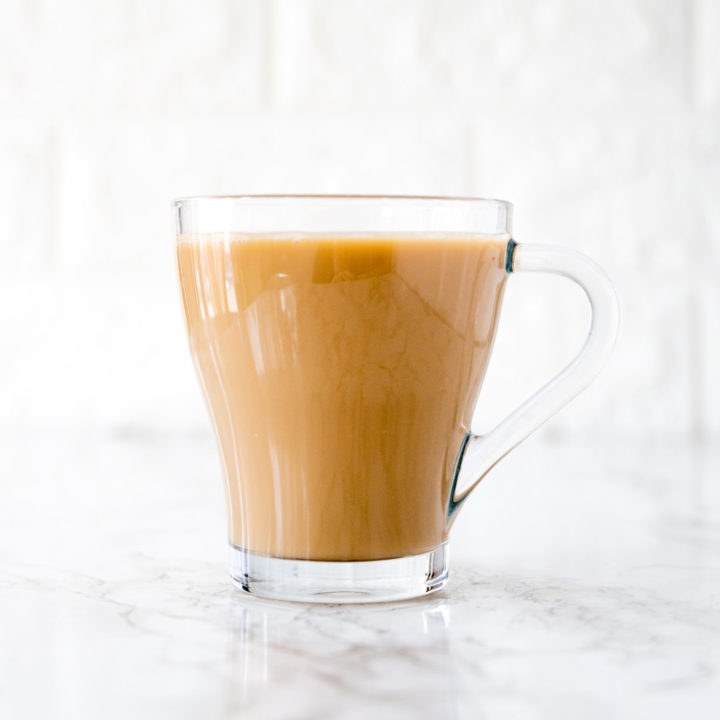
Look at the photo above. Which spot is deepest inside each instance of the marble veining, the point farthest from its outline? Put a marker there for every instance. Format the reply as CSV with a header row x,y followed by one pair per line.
x,y
585,582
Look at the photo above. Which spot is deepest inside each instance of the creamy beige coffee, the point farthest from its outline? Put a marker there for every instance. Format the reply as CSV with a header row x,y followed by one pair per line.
x,y
340,374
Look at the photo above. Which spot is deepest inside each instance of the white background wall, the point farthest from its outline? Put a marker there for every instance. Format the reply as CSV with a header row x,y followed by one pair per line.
x,y
600,121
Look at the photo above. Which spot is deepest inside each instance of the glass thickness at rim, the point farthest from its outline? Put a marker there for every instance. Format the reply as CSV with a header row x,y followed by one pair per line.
x,y
395,214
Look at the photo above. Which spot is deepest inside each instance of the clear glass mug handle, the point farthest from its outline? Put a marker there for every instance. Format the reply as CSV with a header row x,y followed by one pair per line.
x,y
479,453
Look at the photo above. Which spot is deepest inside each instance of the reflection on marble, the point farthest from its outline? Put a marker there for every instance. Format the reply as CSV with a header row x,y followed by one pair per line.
x,y
336,662
585,583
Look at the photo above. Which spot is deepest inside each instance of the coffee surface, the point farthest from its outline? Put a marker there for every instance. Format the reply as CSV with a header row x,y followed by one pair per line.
x,y
340,374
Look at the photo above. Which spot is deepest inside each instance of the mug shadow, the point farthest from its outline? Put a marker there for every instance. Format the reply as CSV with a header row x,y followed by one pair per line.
x,y
340,661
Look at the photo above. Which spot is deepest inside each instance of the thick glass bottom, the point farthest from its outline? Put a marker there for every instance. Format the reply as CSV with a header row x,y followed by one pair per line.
x,y
361,581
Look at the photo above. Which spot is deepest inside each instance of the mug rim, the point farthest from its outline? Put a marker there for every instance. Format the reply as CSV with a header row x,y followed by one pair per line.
x,y
339,196
253,214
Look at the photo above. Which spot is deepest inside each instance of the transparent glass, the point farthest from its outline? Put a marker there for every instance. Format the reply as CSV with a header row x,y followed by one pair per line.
x,y
341,343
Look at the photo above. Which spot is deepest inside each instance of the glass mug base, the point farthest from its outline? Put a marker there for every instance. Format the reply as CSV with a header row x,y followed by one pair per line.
x,y
358,581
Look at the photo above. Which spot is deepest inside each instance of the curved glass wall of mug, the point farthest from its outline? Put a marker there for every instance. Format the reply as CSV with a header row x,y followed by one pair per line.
x,y
341,343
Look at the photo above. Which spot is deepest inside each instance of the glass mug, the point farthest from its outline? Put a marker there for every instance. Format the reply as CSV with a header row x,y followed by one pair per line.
x,y
341,342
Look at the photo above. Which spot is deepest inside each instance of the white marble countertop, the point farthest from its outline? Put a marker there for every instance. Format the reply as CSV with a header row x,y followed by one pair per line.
x,y
585,583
